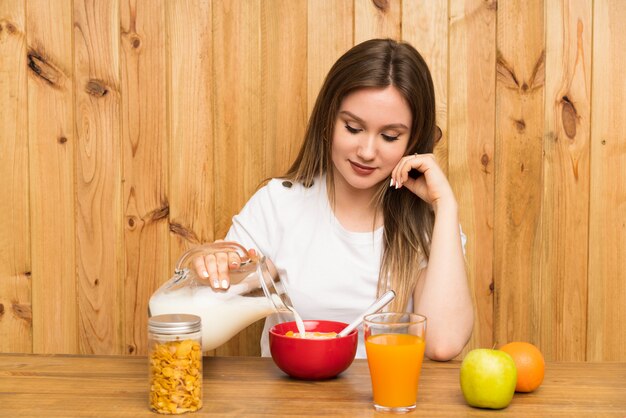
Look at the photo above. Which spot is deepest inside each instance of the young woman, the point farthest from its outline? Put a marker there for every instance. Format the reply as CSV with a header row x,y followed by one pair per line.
x,y
365,207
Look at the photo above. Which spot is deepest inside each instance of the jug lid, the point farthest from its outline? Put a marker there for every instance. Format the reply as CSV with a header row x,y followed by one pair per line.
x,y
172,324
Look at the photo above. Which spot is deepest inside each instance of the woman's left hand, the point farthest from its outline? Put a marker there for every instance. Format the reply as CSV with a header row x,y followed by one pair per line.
x,y
432,186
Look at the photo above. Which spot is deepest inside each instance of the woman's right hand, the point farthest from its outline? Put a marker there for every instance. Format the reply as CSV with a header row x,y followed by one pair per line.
x,y
214,268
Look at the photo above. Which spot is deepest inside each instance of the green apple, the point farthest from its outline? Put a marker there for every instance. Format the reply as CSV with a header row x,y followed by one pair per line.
x,y
488,378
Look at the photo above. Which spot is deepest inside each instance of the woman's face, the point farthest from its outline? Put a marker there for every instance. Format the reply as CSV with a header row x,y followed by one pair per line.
x,y
371,135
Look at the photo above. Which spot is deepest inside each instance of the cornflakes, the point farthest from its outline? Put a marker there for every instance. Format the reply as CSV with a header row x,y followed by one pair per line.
x,y
312,335
176,377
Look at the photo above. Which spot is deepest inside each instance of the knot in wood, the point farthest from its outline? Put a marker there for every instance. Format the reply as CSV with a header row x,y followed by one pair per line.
x,y
159,213
135,42
8,26
22,311
45,69
96,88
381,5
569,117
185,233
438,134
484,160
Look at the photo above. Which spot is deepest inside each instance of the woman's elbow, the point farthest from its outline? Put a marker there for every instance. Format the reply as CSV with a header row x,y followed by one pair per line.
x,y
444,348
444,352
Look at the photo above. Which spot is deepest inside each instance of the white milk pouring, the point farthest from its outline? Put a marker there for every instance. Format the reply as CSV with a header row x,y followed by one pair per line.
x,y
222,318
253,295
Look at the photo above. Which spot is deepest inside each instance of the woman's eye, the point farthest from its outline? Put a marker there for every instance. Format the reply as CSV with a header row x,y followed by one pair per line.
x,y
390,138
352,130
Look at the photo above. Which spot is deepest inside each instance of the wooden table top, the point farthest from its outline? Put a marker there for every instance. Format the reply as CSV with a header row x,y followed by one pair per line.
x,y
117,386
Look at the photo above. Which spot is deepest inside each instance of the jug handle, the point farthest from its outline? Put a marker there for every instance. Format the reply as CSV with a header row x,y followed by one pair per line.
x,y
214,247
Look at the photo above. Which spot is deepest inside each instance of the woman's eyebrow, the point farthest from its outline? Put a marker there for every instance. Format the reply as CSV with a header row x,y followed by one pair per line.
x,y
362,122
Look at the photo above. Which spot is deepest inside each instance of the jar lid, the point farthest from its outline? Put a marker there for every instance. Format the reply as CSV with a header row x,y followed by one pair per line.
x,y
171,324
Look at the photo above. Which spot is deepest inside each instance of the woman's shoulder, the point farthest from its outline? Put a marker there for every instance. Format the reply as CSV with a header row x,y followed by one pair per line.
x,y
289,189
280,200
282,196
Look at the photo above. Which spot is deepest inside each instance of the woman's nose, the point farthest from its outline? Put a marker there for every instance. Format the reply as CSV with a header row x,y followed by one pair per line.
x,y
367,148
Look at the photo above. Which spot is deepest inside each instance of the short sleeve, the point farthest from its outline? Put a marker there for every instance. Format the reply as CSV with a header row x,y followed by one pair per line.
x,y
254,227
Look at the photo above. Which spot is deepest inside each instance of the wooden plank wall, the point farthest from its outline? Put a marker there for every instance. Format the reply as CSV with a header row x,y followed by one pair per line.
x,y
15,245
52,150
132,130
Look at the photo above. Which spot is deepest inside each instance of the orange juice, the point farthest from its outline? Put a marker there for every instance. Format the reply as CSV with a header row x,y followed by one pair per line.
x,y
395,362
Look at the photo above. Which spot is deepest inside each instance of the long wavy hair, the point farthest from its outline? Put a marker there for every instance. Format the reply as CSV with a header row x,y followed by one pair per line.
x,y
408,220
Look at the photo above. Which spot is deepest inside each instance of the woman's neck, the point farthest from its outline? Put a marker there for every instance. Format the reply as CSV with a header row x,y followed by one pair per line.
x,y
353,207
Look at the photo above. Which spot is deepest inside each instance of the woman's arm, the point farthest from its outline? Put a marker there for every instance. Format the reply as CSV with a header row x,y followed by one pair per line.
x,y
442,293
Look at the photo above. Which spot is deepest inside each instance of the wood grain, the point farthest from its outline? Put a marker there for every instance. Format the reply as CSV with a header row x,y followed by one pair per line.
x,y
377,19
471,148
192,133
51,142
190,98
518,169
284,82
97,109
145,164
133,129
565,204
238,148
283,74
606,324
15,268
330,34
427,31
236,386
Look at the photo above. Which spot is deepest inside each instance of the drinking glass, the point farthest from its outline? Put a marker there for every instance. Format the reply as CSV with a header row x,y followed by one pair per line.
x,y
394,343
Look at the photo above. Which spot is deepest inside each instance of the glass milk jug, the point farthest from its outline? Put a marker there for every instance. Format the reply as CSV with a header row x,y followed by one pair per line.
x,y
253,294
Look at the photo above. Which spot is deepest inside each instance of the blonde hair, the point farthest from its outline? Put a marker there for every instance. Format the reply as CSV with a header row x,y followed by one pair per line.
x,y
408,221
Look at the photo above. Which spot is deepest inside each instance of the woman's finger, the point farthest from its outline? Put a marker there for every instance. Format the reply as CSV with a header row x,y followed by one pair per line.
x,y
234,261
221,260
395,173
401,170
200,268
419,162
418,187
211,265
409,163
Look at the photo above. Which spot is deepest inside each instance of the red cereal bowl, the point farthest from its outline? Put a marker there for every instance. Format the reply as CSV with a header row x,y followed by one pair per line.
x,y
312,359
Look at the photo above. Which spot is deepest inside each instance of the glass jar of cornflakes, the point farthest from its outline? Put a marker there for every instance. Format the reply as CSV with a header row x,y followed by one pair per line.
x,y
175,356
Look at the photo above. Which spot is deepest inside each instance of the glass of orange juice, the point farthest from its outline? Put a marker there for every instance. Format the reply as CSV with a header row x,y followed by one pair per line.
x,y
395,343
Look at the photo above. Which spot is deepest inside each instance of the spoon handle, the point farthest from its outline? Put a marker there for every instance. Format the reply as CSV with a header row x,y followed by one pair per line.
x,y
374,307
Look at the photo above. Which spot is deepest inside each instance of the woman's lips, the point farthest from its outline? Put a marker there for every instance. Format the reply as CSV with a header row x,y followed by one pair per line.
x,y
362,170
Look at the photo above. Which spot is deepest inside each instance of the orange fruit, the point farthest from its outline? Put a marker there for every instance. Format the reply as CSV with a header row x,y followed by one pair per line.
x,y
530,365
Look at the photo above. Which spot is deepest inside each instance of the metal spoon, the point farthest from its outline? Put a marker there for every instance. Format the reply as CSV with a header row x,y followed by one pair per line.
x,y
380,303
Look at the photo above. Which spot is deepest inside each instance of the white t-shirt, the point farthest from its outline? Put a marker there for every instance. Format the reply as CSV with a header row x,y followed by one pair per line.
x,y
329,273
